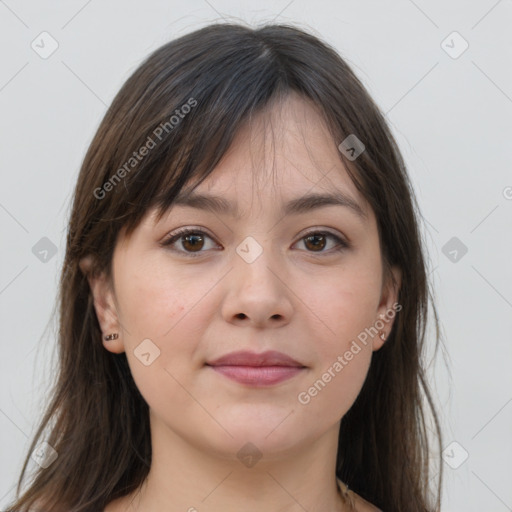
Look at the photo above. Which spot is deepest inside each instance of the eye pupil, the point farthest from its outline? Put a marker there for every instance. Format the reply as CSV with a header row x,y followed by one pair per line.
x,y
315,244
186,240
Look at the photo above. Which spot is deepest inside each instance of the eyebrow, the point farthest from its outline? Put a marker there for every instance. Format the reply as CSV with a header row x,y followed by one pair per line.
x,y
300,205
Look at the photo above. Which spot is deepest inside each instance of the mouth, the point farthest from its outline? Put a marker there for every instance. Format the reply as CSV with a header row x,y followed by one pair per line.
x,y
257,376
257,370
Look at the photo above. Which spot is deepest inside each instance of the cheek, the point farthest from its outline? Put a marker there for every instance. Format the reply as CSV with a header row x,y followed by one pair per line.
x,y
150,304
346,301
341,366
334,390
153,313
159,344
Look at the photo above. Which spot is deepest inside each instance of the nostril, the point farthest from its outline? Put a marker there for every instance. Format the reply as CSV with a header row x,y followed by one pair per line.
x,y
241,315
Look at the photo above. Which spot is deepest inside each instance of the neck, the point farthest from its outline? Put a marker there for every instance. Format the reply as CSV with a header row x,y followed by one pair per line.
x,y
184,477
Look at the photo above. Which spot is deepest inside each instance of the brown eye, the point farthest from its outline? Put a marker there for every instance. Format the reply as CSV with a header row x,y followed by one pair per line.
x,y
315,242
192,242
318,240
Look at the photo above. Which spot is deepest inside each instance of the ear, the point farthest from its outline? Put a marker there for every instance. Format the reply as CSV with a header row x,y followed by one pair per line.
x,y
388,306
104,305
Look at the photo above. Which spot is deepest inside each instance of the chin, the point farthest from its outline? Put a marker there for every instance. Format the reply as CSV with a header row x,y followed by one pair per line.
x,y
260,439
250,450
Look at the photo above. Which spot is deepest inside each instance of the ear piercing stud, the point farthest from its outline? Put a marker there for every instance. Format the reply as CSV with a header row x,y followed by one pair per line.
x,y
112,336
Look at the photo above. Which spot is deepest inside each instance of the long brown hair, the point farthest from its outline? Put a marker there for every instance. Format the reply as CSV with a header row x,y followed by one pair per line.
x,y
185,103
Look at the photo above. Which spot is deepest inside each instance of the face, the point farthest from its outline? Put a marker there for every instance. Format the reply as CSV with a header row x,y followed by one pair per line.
x,y
305,282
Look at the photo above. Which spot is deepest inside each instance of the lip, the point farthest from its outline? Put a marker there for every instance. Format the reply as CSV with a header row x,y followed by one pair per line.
x,y
265,369
246,358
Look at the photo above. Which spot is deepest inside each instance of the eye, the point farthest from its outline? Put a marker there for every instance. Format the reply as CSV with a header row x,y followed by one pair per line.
x,y
317,241
193,241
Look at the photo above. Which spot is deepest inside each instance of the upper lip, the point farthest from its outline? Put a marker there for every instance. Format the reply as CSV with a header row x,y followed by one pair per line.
x,y
246,358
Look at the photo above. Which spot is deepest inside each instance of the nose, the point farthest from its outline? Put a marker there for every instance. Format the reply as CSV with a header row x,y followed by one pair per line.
x,y
258,294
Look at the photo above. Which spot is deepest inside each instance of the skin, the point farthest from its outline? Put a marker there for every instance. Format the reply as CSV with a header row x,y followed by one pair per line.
x,y
308,304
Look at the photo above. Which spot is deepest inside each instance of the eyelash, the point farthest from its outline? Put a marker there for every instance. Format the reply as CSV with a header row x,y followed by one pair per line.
x,y
174,237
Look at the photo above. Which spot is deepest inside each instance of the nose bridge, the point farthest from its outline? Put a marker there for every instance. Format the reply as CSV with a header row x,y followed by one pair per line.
x,y
256,289
256,263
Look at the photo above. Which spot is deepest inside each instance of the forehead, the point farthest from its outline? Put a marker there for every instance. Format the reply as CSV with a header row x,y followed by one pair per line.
x,y
284,152
283,161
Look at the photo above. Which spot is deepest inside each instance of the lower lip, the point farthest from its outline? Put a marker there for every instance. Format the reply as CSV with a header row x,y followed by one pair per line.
x,y
258,375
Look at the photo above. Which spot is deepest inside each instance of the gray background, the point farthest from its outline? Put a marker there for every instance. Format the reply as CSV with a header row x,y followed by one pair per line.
x,y
451,114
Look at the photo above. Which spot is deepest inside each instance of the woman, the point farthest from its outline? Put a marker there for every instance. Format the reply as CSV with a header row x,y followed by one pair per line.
x,y
243,299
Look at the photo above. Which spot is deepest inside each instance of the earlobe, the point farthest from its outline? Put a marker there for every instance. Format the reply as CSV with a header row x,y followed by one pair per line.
x,y
383,329
388,308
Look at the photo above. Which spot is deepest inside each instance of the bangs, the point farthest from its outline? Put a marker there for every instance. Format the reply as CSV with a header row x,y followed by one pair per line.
x,y
197,125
